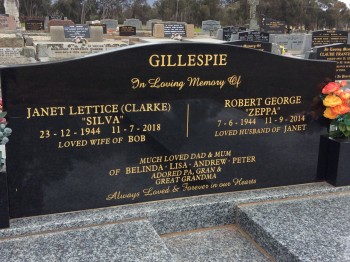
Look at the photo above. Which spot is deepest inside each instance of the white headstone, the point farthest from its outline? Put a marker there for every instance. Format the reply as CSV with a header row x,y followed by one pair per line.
x,y
11,8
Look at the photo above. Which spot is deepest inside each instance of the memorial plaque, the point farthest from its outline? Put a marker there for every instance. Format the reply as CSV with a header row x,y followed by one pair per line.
x,y
56,17
76,30
229,30
161,121
210,25
127,30
272,26
174,28
254,36
328,37
261,46
339,53
34,24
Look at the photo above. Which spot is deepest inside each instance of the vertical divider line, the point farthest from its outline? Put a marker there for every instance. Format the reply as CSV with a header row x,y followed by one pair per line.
x,y
187,120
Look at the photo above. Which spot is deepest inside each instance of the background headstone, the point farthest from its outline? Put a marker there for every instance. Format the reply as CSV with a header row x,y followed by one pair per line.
x,y
158,30
55,22
111,24
328,37
273,26
34,24
251,36
150,23
7,22
189,30
339,53
12,8
56,17
133,22
227,31
104,27
127,30
210,25
58,34
261,46
293,42
76,30
171,28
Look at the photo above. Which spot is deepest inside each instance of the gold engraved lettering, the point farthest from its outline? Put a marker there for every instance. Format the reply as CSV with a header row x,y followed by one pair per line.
x,y
148,107
200,177
243,102
157,83
196,81
241,182
143,169
295,128
187,187
262,111
188,60
272,101
73,143
45,111
234,80
254,131
102,120
151,192
211,162
150,160
120,195
94,109
243,159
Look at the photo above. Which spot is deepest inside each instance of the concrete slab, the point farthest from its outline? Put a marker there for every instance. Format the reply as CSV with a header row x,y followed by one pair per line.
x,y
307,229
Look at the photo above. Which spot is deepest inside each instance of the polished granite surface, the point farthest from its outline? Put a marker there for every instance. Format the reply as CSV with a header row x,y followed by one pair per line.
x,y
306,229
217,244
294,223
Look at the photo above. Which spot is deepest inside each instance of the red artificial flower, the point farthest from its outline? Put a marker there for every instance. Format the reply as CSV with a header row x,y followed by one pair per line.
x,y
330,88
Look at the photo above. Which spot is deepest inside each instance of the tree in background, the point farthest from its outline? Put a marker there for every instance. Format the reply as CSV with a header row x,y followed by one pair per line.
x,y
34,8
304,14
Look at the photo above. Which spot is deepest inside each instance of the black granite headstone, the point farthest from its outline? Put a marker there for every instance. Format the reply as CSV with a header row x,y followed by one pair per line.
x,y
273,26
56,17
229,30
72,31
156,122
254,36
339,53
4,202
34,24
261,46
127,30
328,37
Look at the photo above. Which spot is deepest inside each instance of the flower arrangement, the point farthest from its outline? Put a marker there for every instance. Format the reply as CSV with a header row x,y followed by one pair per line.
x,y
336,100
5,132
